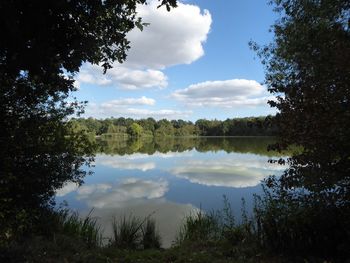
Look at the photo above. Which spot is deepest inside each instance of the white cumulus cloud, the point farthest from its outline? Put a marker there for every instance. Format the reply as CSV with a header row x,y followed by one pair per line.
x,y
128,101
171,38
91,74
223,93
119,108
122,77
133,79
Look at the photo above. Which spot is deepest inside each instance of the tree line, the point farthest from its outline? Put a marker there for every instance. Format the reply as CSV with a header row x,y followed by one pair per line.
x,y
149,145
128,127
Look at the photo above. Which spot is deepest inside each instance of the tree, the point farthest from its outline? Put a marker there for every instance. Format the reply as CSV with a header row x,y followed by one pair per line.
x,y
164,128
112,128
202,125
308,69
44,44
147,124
135,130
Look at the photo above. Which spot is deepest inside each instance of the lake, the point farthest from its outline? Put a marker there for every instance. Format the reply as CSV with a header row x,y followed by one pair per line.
x,y
171,178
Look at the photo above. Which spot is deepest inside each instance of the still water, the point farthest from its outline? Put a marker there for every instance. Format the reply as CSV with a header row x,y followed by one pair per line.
x,y
171,178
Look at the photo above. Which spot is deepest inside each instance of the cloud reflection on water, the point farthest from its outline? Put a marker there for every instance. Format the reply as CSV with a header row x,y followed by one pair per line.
x,y
169,216
121,194
230,172
136,156
112,194
120,162
133,196
66,189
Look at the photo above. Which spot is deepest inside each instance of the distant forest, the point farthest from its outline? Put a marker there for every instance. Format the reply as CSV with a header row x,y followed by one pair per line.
x,y
128,127
253,145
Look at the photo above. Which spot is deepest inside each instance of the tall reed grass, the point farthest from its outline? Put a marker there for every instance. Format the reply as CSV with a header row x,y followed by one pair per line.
x,y
217,226
131,232
84,229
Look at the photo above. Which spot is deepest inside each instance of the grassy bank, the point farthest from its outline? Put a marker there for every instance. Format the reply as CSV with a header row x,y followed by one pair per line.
x,y
204,237
69,238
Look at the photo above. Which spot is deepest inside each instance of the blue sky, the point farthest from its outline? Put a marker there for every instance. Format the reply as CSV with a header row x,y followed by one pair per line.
x,y
193,62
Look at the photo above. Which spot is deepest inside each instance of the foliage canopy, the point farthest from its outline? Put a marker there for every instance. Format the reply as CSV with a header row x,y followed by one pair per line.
x,y
308,69
44,44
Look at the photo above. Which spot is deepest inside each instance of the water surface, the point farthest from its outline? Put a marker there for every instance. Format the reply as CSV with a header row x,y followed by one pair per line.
x,y
171,178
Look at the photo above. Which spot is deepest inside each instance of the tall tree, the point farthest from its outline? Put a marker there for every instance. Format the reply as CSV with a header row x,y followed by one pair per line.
x,y
308,69
43,45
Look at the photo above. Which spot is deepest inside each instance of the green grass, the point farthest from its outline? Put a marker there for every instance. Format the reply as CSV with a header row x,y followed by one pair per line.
x,y
150,235
126,232
131,232
85,229
199,226
203,237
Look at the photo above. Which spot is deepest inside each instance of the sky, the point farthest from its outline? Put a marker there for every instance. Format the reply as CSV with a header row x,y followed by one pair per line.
x,y
190,63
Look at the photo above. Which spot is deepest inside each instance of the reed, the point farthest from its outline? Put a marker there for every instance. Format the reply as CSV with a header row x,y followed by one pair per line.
x,y
85,229
131,232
